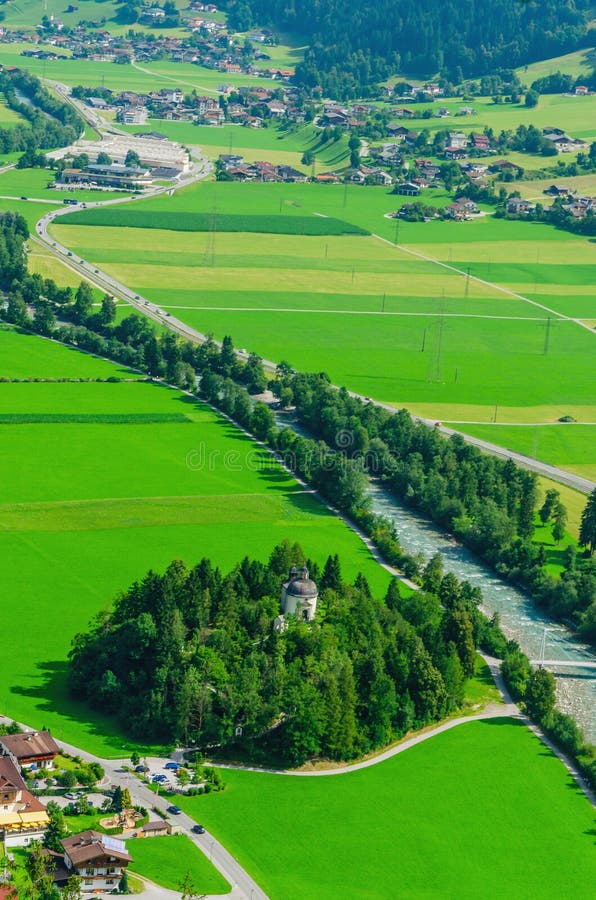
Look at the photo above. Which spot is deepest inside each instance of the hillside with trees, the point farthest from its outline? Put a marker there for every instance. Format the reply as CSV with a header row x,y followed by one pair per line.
x,y
193,655
354,45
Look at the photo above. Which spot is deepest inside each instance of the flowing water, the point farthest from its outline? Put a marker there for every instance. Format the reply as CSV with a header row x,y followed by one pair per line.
x,y
520,620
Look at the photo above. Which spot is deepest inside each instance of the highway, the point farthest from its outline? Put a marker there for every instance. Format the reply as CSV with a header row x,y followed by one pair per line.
x,y
110,285
106,283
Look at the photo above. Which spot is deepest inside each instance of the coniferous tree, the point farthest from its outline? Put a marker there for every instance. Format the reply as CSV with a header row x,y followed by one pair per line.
x,y
587,531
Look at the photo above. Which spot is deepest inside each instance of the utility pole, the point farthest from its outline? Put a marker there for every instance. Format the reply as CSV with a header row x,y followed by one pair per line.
x,y
547,336
396,232
467,287
384,298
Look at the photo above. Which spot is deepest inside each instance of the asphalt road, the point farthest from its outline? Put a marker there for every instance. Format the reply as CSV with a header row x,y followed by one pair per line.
x,y
243,886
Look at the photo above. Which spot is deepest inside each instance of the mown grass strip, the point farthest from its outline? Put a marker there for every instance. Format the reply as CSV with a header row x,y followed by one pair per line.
x,y
193,221
92,418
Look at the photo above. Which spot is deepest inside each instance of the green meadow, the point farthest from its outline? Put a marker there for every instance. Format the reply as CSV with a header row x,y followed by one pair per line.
x,y
136,77
577,64
576,115
29,356
278,144
8,116
36,184
107,481
168,860
446,818
572,447
459,314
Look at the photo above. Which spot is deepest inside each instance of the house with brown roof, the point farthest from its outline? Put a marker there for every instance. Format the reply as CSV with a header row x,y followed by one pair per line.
x,y
30,749
23,818
97,859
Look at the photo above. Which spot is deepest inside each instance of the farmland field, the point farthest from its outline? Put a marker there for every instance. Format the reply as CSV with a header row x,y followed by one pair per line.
x,y
148,77
276,144
167,860
123,478
572,447
477,314
446,818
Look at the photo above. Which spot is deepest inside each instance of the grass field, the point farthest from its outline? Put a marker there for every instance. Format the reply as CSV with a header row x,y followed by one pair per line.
x,y
576,115
29,356
440,338
102,493
168,860
483,810
226,222
577,64
36,184
583,184
146,77
8,116
277,144
572,447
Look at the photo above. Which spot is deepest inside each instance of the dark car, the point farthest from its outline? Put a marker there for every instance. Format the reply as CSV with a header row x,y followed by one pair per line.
x,y
198,829
174,810
141,769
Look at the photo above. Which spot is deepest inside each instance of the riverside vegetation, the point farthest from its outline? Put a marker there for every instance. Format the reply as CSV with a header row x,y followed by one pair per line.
x,y
489,504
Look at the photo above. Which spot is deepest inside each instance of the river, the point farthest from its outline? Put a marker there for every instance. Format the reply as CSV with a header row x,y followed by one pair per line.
x,y
520,620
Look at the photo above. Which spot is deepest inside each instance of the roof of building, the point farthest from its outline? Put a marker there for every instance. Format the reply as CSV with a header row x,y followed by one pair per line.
x,y
155,826
300,585
10,777
30,743
88,845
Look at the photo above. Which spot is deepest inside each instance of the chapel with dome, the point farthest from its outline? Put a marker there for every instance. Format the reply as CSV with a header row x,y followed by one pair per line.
x,y
299,595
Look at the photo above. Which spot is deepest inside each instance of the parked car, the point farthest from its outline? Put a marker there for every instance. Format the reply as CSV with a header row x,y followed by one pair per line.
x,y
198,829
174,810
173,765
71,795
141,769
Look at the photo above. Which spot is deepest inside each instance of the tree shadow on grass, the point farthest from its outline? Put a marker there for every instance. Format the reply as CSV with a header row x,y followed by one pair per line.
x,y
49,691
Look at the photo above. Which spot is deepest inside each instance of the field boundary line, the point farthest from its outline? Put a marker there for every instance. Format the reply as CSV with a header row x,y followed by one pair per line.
x,y
357,312
491,284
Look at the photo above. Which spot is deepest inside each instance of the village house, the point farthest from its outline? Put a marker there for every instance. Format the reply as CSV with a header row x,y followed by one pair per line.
x,y
480,143
457,140
276,108
462,209
158,828
97,859
407,188
581,90
30,749
517,206
23,818
133,115
442,112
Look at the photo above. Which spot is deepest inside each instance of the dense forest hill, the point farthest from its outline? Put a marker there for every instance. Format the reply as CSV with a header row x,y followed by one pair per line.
x,y
354,45
193,655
